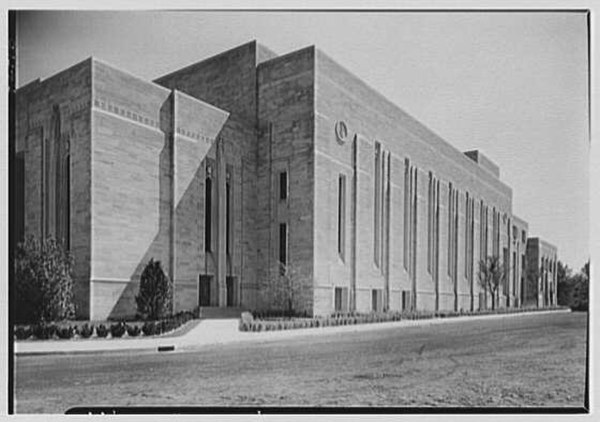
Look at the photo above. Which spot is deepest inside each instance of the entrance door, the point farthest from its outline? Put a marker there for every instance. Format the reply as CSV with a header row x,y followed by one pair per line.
x,y
230,281
204,290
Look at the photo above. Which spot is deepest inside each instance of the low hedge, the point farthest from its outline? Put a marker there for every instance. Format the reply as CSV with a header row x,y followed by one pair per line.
x,y
85,331
101,331
117,330
45,331
254,324
133,330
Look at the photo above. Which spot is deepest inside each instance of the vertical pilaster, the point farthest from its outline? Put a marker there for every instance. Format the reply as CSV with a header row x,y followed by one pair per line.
x,y
354,203
172,187
221,237
386,233
415,193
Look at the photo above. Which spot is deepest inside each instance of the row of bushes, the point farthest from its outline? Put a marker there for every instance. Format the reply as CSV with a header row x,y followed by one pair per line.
x,y
43,331
249,322
279,314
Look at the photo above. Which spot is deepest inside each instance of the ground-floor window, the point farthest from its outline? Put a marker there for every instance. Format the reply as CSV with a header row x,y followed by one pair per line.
x,y
376,300
406,298
341,299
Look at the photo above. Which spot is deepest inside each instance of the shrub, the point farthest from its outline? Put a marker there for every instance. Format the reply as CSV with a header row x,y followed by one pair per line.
x,y
149,328
247,317
22,333
43,331
155,298
85,331
133,330
43,281
101,331
64,332
117,330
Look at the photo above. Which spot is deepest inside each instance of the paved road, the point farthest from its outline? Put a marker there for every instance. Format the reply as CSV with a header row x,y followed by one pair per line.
x,y
534,360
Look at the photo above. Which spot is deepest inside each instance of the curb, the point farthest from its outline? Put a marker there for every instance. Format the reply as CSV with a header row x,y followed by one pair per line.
x,y
242,337
285,334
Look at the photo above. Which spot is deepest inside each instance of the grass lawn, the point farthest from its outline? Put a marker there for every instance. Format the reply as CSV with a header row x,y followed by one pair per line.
x,y
536,360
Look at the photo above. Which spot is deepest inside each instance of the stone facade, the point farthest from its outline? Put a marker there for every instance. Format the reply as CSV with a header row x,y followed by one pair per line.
x,y
234,165
542,273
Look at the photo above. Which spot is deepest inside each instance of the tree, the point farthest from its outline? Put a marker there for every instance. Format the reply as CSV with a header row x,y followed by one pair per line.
x,y
586,270
284,289
491,276
573,289
155,298
564,285
580,289
43,283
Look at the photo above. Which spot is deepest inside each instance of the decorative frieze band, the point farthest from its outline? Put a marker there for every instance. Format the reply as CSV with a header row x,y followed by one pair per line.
x,y
147,121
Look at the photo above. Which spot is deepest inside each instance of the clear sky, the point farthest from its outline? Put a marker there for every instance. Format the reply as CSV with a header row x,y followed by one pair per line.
x,y
514,85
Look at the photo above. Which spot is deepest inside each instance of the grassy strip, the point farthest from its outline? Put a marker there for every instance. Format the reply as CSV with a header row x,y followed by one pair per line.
x,y
248,322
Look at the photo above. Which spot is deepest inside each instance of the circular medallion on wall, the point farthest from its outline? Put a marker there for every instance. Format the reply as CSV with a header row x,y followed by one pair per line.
x,y
341,132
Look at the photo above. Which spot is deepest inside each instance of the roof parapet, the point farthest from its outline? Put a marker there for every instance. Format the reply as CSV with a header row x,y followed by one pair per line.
x,y
484,162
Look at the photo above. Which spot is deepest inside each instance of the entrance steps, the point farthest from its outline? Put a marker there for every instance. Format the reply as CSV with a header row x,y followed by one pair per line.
x,y
215,312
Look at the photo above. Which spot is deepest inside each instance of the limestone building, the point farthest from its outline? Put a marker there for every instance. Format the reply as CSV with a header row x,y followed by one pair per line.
x,y
247,167
542,271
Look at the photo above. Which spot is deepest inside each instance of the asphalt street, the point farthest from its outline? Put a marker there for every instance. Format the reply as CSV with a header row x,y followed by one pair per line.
x,y
536,360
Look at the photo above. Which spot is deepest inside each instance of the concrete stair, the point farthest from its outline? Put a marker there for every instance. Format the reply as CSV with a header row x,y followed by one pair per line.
x,y
214,312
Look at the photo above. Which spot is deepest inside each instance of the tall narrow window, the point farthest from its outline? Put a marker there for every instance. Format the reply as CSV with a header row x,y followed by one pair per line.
x,y
485,243
514,270
436,230
208,214
506,265
414,191
377,204
282,247
19,203
471,249
430,223
46,204
481,231
228,218
494,228
407,207
283,185
450,227
497,239
341,215
67,202
455,239
467,225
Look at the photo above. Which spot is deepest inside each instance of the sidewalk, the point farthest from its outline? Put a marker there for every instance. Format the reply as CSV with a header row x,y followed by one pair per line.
x,y
223,331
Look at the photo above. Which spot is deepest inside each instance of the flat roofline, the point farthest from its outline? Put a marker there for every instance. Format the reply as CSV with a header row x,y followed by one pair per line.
x,y
40,81
471,166
542,242
520,221
207,59
274,60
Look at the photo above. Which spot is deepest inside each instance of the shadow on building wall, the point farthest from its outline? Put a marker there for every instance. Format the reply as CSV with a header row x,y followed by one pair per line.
x,y
160,248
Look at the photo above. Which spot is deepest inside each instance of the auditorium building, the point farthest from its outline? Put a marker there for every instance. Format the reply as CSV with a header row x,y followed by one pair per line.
x,y
247,168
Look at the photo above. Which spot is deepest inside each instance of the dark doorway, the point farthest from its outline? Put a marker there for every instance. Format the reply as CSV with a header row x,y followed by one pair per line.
x,y
230,281
204,290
